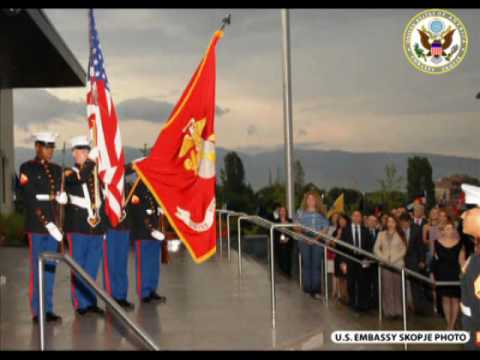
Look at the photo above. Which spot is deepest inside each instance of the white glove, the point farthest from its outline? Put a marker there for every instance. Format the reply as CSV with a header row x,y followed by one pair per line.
x,y
157,235
93,154
149,211
61,198
54,231
159,211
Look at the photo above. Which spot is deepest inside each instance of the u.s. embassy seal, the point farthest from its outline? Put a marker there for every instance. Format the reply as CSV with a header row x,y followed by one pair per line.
x,y
435,41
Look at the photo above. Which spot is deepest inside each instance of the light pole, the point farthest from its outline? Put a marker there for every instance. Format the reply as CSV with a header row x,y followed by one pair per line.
x,y
287,112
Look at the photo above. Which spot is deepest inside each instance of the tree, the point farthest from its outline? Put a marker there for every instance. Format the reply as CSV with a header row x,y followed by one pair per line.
x,y
390,188
419,179
268,196
237,194
378,199
391,182
234,172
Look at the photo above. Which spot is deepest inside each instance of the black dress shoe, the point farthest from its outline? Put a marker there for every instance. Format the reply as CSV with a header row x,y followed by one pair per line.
x,y
147,299
159,298
52,317
81,311
95,309
125,304
35,319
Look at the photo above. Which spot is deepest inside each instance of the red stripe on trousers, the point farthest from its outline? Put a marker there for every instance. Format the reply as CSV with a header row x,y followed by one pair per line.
x,y
72,276
139,269
106,274
31,285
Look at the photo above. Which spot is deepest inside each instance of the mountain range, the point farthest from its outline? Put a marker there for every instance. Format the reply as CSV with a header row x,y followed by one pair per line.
x,y
325,168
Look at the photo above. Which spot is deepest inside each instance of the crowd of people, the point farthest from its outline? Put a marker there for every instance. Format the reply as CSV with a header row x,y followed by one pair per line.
x,y
431,244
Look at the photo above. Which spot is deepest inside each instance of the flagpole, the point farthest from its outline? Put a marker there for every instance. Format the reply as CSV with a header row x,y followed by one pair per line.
x,y
287,111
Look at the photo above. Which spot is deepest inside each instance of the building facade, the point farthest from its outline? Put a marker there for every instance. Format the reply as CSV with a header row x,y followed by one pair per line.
x,y
32,55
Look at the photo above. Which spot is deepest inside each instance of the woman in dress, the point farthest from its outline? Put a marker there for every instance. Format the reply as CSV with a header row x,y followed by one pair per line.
x,y
283,243
438,219
449,257
391,247
312,215
340,277
330,254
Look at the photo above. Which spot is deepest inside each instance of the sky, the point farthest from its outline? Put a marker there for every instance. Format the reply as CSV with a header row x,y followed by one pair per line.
x,y
353,89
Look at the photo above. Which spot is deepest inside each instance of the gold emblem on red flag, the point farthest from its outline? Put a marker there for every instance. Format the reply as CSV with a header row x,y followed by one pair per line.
x,y
192,144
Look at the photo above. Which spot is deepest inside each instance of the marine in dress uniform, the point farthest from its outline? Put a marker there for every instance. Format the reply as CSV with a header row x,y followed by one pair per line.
x,y
84,232
40,180
116,247
147,237
470,275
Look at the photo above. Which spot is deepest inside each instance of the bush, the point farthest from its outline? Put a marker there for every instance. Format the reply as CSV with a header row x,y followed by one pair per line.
x,y
12,231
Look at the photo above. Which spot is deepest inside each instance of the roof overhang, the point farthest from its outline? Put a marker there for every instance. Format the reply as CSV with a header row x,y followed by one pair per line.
x,y
32,53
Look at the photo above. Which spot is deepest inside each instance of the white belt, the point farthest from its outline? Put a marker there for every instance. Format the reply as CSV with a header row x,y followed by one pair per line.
x,y
88,200
44,197
79,201
466,310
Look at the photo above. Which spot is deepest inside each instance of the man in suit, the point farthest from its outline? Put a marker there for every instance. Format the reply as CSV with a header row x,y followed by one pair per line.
x,y
415,260
358,275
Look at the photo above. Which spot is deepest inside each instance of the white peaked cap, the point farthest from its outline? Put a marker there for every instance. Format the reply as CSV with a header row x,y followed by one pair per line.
x,y
79,141
46,137
472,194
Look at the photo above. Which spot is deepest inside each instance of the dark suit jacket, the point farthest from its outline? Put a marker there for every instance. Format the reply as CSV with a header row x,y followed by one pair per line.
x,y
366,242
416,249
422,224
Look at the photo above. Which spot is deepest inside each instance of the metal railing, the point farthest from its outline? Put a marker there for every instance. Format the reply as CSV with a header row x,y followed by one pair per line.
x,y
284,228
117,310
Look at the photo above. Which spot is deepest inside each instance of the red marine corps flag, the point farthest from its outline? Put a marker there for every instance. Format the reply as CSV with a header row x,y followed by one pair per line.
x,y
180,169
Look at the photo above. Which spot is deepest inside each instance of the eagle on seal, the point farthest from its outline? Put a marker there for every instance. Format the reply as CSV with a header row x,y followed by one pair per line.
x,y
436,43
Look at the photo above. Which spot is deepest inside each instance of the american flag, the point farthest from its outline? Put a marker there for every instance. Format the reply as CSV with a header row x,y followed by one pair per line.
x,y
103,123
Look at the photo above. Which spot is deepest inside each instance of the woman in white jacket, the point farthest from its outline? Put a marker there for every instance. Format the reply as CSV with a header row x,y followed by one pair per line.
x,y
391,247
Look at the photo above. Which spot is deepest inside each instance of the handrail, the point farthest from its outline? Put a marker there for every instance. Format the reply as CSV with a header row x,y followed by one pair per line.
x,y
117,310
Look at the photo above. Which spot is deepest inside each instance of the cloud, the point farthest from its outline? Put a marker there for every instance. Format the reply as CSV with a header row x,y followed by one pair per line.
x,y
151,110
40,106
144,109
